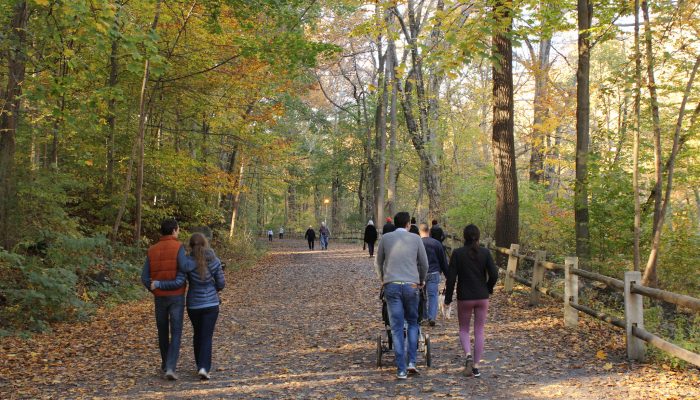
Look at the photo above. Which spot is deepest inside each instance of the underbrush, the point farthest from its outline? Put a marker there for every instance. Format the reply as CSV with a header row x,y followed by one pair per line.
x,y
241,251
64,278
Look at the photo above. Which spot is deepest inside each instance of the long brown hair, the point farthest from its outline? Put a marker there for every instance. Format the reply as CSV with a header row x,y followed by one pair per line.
x,y
471,240
199,244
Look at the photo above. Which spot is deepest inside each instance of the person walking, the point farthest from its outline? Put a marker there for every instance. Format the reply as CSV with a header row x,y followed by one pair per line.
x,y
475,273
281,232
310,236
402,265
324,234
202,299
414,227
436,232
437,263
164,261
370,237
270,233
388,227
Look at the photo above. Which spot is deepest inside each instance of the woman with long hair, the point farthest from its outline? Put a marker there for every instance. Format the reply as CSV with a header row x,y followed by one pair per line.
x,y
475,273
206,280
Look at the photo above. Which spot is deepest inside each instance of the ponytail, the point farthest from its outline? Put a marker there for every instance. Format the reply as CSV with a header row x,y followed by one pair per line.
x,y
471,240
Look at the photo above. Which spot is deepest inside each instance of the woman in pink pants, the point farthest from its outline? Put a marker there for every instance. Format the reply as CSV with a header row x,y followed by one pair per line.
x,y
475,273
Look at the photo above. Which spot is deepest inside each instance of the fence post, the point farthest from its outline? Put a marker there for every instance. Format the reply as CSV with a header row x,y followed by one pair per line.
x,y
537,277
634,316
570,292
512,267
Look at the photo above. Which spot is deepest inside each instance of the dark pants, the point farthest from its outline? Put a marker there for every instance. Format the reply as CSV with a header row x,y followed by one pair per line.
x,y
269,237
203,323
371,248
169,314
281,235
311,243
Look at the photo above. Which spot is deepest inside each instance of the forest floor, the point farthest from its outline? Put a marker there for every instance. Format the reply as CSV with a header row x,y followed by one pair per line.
x,y
303,324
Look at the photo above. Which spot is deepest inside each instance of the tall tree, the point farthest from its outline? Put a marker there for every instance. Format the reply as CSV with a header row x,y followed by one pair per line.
x,y
16,60
507,204
581,215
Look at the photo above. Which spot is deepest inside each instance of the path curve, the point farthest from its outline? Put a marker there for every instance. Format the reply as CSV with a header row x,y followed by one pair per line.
x,y
302,324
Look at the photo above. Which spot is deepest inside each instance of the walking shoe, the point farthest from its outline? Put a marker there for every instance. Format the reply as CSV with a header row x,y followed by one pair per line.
x,y
475,372
412,368
468,365
431,322
401,375
170,375
204,374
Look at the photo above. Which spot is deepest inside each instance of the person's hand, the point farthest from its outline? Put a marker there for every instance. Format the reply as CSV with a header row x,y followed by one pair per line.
x,y
153,285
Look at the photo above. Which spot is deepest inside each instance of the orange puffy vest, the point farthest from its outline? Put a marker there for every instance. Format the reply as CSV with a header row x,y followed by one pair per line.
x,y
162,258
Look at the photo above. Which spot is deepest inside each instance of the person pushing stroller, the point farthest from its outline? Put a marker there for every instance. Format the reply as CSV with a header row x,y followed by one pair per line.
x,y
402,266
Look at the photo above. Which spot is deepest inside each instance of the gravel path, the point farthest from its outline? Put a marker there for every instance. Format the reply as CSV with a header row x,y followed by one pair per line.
x,y
303,324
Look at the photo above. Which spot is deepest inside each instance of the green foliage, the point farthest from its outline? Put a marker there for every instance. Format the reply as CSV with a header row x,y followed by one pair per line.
x,y
63,278
679,328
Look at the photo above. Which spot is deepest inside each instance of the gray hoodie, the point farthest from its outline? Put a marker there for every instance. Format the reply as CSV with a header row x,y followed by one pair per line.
x,y
401,257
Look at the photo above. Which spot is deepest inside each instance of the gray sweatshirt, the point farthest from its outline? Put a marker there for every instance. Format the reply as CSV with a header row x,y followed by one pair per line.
x,y
401,257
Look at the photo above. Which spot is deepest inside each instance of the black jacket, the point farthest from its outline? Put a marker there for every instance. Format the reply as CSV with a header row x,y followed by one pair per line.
x,y
370,234
437,233
388,228
310,235
475,278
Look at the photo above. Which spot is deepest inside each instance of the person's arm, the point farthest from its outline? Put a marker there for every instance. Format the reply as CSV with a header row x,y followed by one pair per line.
x,y
146,274
172,284
442,258
218,274
451,278
492,271
379,261
184,263
422,261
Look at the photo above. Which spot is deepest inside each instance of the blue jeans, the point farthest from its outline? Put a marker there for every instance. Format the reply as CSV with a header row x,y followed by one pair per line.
x,y
432,283
324,242
203,323
402,304
170,311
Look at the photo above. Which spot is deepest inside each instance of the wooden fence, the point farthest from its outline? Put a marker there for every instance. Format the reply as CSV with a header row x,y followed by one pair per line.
x,y
633,292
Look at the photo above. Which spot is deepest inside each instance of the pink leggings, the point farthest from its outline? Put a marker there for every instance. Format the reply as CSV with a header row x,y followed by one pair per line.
x,y
464,312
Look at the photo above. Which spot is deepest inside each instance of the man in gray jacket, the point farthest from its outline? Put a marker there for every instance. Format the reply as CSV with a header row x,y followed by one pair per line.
x,y
402,265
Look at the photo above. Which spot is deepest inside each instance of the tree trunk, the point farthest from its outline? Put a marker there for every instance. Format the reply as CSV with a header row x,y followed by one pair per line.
x,y
9,120
380,129
393,174
650,276
635,148
140,137
537,143
583,250
507,206
112,105
236,198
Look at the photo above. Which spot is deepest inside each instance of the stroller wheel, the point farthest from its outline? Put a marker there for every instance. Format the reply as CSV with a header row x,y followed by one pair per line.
x,y
428,355
379,350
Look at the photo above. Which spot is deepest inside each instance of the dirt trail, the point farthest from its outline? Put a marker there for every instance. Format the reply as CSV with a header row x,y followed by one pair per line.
x,y
303,324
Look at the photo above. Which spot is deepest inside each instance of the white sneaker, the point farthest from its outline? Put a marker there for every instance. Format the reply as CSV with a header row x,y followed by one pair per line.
x,y
412,368
170,375
204,374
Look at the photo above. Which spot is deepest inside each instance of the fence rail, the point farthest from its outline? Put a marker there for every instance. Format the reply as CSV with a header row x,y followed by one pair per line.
x,y
633,323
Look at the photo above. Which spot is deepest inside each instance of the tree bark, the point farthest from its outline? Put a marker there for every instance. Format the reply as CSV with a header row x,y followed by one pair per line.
x,y
112,104
507,206
650,276
15,57
384,70
537,142
140,137
393,169
635,148
583,250
236,197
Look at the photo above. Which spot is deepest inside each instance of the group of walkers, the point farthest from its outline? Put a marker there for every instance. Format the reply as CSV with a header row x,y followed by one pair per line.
x,y
408,263
271,233
324,236
166,274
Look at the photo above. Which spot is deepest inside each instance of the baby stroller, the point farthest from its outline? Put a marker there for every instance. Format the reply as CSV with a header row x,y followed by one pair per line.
x,y
385,341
